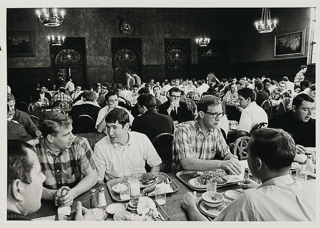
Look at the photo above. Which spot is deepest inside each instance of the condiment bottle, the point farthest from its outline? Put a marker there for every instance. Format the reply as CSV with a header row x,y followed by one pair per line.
x,y
102,197
309,165
93,199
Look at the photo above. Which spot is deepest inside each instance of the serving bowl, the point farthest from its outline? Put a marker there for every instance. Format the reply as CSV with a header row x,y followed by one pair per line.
x,y
214,200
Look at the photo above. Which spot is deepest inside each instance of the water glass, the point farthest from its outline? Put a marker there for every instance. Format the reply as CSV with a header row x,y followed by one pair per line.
x,y
63,211
211,187
160,195
124,191
134,191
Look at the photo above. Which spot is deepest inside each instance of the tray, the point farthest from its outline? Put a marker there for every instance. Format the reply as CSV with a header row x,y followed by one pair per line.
x,y
185,176
161,176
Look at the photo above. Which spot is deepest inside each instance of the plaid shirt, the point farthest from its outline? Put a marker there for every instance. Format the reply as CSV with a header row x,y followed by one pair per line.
x,y
60,97
69,166
191,142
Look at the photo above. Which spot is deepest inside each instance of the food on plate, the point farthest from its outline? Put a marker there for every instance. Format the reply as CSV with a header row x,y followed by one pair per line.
x,y
219,180
127,216
147,178
149,189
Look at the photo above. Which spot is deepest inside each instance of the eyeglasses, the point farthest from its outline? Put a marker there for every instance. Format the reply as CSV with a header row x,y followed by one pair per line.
x,y
175,97
215,115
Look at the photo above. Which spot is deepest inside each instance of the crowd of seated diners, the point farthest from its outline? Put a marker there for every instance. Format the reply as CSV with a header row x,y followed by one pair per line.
x,y
277,118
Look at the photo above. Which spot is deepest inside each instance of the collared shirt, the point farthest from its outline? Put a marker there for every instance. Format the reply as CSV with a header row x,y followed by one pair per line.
x,y
11,215
278,199
60,97
115,160
69,166
250,116
231,98
191,142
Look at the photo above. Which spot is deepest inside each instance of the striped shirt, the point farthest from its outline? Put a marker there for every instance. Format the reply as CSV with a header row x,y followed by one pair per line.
x,y
191,142
69,166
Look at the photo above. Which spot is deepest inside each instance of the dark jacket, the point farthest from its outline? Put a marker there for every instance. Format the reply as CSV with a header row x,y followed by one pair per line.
x,y
183,115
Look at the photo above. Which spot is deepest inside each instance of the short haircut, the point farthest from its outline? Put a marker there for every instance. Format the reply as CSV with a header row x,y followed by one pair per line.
x,y
174,89
297,101
10,97
143,90
19,165
246,93
258,84
155,86
304,83
89,95
117,114
275,147
303,66
110,94
206,101
147,100
52,122
285,78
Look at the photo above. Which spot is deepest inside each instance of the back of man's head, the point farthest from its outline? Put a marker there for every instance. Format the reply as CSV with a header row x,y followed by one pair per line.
x,y
246,93
206,101
52,122
303,67
304,84
143,90
297,101
258,84
274,147
19,165
285,78
89,95
147,100
117,114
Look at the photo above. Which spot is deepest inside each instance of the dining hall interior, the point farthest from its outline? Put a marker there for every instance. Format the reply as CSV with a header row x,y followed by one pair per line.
x,y
185,96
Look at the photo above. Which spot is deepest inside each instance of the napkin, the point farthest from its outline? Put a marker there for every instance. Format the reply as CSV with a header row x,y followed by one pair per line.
x,y
164,185
145,204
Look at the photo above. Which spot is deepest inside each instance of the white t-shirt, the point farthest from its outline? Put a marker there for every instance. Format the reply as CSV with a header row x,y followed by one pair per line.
x,y
250,116
115,160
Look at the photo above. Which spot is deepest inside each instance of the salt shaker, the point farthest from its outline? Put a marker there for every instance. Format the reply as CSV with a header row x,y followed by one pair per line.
x,y
93,199
102,198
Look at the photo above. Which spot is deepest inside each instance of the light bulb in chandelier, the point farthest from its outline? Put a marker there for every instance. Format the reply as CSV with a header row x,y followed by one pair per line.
x,y
203,41
266,24
51,19
56,40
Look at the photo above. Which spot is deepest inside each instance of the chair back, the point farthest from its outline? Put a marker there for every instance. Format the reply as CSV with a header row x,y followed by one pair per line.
x,y
84,124
190,95
267,106
258,126
240,147
196,96
125,103
163,145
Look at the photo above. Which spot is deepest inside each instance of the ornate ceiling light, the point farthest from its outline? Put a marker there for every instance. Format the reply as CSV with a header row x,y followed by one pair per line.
x,y
202,41
265,25
53,19
56,40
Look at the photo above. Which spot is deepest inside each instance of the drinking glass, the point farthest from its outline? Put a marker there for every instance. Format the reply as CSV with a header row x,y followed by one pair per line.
x,y
160,195
63,211
134,190
211,187
124,191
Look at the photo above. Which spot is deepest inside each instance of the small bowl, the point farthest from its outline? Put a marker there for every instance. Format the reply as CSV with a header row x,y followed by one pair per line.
x,y
207,199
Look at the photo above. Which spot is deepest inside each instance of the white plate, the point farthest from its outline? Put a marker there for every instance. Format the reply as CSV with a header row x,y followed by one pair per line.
x,y
295,166
212,212
233,194
195,183
115,208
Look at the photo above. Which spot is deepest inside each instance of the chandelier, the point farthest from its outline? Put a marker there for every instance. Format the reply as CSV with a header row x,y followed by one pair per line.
x,y
203,41
53,19
56,40
265,25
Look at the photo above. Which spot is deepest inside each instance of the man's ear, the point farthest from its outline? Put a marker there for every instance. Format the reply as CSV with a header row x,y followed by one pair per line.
x,y
50,138
126,126
294,108
258,163
249,99
201,114
17,189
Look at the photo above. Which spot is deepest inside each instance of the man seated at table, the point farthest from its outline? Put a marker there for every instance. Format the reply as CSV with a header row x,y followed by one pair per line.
x,y
279,197
251,113
123,152
112,100
261,95
199,144
298,121
66,160
24,183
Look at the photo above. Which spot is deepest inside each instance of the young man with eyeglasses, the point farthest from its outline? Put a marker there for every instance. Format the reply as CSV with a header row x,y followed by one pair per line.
x,y
175,108
200,145
251,113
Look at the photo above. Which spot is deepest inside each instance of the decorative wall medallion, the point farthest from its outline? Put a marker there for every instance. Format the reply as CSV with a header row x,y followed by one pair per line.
x,y
125,27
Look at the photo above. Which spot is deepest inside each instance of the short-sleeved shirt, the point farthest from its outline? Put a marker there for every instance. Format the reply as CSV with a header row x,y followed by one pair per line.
x,y
253,114
115,160
191,142
69,166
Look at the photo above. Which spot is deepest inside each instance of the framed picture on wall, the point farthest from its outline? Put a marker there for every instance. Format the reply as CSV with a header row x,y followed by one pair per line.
x,y
20,44
289,44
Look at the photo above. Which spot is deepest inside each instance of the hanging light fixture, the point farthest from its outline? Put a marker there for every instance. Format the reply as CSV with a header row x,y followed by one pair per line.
x,y
202,41
53,19
56,40
265,25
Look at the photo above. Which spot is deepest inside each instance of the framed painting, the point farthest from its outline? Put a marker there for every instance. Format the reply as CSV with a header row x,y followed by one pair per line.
x,y
289,44
20,44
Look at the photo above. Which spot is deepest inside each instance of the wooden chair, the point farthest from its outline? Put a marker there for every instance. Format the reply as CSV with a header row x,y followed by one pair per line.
x,y
258,126
125,103
190,95
267,106
196,97
163,145
84,124
240,147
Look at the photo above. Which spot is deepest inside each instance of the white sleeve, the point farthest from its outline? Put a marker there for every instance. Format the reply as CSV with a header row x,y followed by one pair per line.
x,y
100,117
150,153
245,121
100,161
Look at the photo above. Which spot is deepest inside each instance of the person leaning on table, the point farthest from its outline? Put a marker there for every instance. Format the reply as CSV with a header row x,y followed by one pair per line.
x,y
279,197
200,145
24,184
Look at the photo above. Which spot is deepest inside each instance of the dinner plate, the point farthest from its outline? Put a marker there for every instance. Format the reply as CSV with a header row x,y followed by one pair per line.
x,y
209,211
115,207
195,184
116,187
233,194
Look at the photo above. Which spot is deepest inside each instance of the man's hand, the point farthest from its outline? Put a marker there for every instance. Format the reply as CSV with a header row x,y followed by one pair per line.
x,y
248,183
189,201
82,213
300,149
232,165
64,196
